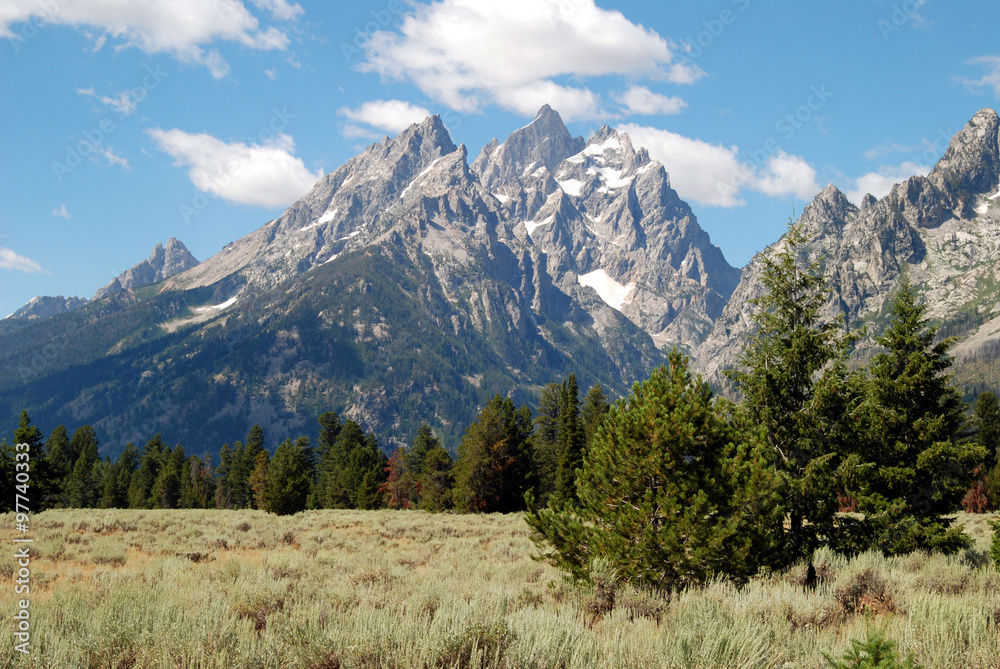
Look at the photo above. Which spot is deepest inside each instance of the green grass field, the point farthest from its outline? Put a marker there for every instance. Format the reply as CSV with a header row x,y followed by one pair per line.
x,y
329,589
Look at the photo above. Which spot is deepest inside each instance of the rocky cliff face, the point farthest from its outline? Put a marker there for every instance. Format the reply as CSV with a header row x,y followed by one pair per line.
x,y
943,229
163,263
46,307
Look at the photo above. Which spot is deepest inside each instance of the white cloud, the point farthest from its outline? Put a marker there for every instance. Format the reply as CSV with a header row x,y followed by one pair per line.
x,y
392,116
62,212
989,80
468,53
787,175
177,27
12,261
712,174
881,182
271,74
109,154
641,100
123,103
280,9
263,175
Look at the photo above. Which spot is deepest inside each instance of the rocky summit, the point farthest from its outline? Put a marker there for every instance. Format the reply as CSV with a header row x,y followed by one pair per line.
x,y
410,285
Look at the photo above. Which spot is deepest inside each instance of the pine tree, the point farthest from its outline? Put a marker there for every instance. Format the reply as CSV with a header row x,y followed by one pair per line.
x,y
118,478
986,420
244,462
223,487
141,486
258,482
911,468
784,365
8,479
571,443
545,441
436,481
400,489
83,484
43,484
422,443
166,491
494,467
592,413
665,495
287,482
59,464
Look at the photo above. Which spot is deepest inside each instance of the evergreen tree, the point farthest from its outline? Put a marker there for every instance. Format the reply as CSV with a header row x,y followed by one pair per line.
x,y
571,443
140,490
166,492
545,441
244,462
352,470
329,430
258,482
223,489
118,479
592,413
911,468
436,481
422,443
43,485
668,496
83,484
59,465
8,479
986,420
494,467
287,481
784,365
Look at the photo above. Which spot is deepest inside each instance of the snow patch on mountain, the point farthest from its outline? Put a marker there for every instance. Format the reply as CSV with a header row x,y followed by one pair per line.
x,y
614,294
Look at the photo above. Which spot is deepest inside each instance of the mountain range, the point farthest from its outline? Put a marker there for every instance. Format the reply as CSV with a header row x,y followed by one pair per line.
x,y
410,285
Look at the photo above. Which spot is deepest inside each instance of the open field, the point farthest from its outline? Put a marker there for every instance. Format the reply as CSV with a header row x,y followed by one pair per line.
x,y
328,589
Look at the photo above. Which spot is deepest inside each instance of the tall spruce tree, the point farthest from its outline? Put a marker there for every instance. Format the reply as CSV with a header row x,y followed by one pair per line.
x,y
286,484
494,468
571,443
912,468
436,480
60,464
986,421
223,487
352,470
794,352
43,484
141,486
83,485
545,440
668,494
260,497
595,408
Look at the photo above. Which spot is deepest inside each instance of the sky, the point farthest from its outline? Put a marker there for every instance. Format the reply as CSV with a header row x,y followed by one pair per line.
x,y
126,122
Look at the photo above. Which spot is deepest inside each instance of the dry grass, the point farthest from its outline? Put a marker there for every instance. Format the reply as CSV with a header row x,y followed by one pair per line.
x,y
340,589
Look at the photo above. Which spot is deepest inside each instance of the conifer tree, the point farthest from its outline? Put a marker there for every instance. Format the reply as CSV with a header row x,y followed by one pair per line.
x,y
436,480
422,443
118,478
400,488
83,483
571,443
595,408
166,491
258,482
794,353
494,467
352,470
141,486
286,485
986,420
911,468
7,477
545,441
59,464
43,483
667,495
223,487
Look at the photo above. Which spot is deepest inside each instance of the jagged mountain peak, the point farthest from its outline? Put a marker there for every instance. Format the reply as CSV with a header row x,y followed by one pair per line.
x,y
46,307
545,142
164,262
971,165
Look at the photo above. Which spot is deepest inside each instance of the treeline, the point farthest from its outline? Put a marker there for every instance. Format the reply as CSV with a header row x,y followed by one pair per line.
x,y
506,453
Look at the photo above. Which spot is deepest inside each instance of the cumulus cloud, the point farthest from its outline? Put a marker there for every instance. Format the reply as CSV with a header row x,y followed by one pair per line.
x,y
989,80
13,261
263,175
390,116
641,100
468,54
181,28
108,152
881,182
62,212
712,174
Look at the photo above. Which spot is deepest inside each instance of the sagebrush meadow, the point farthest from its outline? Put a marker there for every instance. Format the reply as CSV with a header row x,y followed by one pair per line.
x,y
207,588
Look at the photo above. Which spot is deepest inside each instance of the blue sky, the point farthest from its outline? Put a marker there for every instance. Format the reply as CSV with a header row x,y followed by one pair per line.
x,y
125,123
